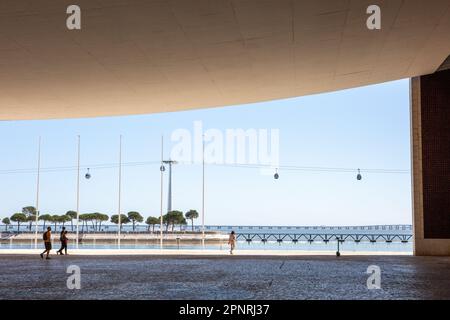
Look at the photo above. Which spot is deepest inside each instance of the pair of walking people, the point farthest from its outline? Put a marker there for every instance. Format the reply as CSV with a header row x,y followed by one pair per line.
x,y
47,236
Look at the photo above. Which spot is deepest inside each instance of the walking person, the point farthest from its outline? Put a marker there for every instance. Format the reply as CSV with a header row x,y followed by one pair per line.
x,y
63,238
47,236
232,241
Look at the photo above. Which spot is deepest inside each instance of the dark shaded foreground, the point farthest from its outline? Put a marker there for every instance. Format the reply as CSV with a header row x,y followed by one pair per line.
x,y
167,277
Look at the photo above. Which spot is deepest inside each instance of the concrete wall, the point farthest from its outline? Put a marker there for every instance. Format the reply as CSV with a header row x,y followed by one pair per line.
x,y
430,129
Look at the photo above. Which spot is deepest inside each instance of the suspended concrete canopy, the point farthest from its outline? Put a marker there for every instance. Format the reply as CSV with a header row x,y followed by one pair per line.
x,y
147,56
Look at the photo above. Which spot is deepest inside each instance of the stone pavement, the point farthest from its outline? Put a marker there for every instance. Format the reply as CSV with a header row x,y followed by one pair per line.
x,y
224,277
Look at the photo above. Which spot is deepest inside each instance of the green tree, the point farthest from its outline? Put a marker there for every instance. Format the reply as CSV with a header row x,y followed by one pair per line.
x,y
84,218
123,219
174,217
134,217
45,218
94,217
89,217
6,222
191,215
100,217
19,218
73,215
64,218
152,221
30,213
55,219
181,222
166,221
31,219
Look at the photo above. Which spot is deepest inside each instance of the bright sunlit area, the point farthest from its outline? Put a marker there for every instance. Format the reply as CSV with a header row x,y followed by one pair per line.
x,y
320,142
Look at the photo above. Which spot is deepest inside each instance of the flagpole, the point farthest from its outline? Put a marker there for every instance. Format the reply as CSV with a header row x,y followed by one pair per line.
x,y
203,191
162,182
120,189
37,193
78,188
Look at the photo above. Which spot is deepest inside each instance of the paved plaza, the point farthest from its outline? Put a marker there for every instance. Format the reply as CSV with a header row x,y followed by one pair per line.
x,y
26,276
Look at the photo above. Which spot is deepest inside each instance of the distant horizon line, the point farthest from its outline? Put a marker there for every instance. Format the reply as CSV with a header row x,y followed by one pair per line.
x,y
24,224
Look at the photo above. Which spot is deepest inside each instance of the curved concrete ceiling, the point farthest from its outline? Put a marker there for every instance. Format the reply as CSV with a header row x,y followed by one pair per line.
x,y
144,56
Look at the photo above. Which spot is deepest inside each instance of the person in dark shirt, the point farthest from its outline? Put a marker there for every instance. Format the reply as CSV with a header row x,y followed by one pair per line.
x,y
63,239
47,236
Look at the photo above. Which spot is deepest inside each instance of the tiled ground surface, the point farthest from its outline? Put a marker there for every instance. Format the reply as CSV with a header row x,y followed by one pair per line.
x,y
238,277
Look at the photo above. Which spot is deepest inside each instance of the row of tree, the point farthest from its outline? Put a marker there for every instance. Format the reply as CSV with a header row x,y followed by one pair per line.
x,y
170,220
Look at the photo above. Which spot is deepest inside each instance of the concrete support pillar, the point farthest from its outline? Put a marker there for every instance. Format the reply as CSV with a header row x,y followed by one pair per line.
x,y
430,130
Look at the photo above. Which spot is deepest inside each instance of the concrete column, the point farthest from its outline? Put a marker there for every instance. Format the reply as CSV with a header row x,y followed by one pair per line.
x,y
430,130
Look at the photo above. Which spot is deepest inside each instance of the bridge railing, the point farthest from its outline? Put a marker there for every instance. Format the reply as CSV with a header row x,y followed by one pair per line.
x,y
310,237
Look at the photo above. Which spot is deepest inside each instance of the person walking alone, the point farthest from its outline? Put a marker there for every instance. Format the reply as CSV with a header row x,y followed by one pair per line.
x,y
47,236
232,241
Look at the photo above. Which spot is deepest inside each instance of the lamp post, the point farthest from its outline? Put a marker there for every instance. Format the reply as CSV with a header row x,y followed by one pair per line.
x,y
359,176
169,192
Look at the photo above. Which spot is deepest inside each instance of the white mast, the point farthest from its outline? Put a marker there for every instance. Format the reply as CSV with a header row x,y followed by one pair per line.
x,y
37,193
78,188
120,190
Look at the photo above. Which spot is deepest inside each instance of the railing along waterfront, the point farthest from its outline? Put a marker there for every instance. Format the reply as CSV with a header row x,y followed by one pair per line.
x,y
107,229
322,237
248,234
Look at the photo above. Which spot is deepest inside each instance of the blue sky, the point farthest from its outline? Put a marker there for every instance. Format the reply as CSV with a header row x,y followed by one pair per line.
x,y
365,127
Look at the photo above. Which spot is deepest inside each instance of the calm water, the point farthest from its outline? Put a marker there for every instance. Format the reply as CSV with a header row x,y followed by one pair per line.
x,y
380,245
397,229
242,245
